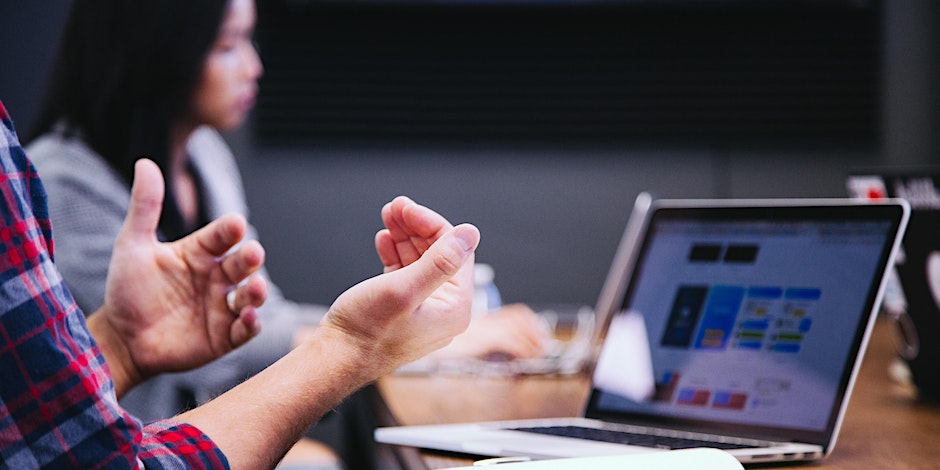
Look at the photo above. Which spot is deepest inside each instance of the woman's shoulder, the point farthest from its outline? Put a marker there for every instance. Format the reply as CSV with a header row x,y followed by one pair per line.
x,y
75,175
57,155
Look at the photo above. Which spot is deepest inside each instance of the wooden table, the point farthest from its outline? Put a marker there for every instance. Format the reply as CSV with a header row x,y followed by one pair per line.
x,y
885,425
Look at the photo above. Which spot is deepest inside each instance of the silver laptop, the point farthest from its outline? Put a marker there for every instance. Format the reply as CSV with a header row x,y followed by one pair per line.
x,y
736,324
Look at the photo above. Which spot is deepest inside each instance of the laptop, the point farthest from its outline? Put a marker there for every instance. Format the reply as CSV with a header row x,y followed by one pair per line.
x,y
734,324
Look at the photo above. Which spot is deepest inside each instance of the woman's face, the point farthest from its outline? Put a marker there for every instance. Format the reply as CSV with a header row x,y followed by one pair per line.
x,y
230,75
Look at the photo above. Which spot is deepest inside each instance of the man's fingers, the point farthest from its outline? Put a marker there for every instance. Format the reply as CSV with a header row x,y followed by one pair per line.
x,y
400,234
143,215
243,262
250,294
412,227
440,263
247,326
424,222
220,235
385,247
243,303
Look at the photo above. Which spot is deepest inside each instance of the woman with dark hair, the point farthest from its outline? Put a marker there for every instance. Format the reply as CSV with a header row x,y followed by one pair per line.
x,y
155,78
160,79
125,78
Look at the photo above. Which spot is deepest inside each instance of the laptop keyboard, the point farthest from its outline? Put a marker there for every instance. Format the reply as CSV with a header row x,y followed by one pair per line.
x,y
624,437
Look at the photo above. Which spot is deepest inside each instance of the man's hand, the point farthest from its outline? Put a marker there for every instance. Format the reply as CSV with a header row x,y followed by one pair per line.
x,y
515,330
410,229
175,306
419,304
422,300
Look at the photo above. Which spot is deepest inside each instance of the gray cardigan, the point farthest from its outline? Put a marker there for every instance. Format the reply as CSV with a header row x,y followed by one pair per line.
x,y
87,204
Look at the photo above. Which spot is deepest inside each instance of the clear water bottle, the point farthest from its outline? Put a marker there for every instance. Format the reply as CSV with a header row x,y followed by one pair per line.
x,y
485,294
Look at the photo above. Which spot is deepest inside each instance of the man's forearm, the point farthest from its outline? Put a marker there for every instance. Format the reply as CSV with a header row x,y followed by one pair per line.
x,y
256,422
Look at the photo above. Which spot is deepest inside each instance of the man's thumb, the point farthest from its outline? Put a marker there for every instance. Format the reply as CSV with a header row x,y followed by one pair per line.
x,y
143,214
443,260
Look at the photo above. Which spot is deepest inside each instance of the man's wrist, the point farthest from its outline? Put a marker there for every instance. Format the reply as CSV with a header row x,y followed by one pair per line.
x,y
354,358
117,356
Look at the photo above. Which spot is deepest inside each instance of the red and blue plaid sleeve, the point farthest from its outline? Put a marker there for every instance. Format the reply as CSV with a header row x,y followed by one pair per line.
x,y
58,408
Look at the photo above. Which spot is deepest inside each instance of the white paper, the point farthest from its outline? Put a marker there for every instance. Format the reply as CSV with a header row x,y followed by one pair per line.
x,y
685,459
625,366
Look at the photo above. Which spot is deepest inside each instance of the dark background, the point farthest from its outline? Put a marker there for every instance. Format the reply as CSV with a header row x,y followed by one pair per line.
x,y
540,123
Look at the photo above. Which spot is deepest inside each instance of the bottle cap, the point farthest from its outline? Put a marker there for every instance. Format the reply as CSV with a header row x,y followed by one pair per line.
x,y
483,274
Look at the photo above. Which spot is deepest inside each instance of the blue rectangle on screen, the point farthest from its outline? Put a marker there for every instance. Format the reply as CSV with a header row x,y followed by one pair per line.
x,y
751,325
799,293
805,324
765,292
787,347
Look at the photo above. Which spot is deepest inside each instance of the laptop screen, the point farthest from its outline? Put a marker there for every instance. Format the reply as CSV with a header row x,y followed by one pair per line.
x,y
753,317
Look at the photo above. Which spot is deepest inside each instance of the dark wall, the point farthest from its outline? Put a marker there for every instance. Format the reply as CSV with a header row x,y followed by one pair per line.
x,y
542,124
911,117
29,34
550,217
551,211
705,73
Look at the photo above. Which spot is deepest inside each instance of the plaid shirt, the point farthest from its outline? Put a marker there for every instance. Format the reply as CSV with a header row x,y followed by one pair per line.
x,y
57,402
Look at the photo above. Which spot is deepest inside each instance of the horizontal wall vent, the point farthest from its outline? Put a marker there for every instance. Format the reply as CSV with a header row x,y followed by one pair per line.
x,y
709,72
